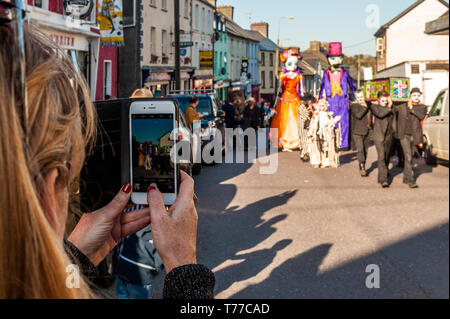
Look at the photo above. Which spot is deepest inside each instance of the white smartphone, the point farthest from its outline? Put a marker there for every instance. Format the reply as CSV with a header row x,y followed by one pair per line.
x,y
152,162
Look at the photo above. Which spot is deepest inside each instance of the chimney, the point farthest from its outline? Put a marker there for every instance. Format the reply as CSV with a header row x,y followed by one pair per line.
x,y
227,11
261,27
314,46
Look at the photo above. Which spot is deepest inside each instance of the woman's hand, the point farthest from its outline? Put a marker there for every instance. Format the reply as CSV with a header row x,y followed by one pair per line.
x,y
174,231
97,233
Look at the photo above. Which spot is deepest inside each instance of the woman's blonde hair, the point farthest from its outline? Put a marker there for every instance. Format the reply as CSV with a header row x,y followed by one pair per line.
x,y
61,125
140,93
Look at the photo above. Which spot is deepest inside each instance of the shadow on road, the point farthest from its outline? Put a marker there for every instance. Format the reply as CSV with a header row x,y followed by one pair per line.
x,y
417,267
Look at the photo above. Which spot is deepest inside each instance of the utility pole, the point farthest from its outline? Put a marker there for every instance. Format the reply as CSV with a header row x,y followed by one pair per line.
x,y
177,46
359,71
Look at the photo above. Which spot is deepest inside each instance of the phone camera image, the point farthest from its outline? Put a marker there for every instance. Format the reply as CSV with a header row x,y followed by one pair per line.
x,y
151,148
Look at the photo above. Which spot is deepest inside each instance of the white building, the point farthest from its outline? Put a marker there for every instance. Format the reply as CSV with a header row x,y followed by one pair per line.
x,y
79,38
405,50
202,25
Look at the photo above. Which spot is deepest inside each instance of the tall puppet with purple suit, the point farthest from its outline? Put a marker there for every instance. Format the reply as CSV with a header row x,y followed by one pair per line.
x,y
338,85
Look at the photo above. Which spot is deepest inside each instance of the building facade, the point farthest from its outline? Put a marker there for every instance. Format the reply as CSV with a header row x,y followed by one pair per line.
x,y
202,25
267,60
79,38
157,52
243,51
221,76
398,55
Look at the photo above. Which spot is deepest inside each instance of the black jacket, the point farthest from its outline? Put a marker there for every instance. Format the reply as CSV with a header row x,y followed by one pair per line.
x,y
229,115
253,118
185,282
383,127
362,119
417,114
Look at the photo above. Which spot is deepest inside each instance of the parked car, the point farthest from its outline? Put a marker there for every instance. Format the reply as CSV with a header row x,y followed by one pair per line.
x,y
435,129
213,120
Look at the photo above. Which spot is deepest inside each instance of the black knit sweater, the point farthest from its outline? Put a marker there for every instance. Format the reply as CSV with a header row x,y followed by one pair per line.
x,y
185,282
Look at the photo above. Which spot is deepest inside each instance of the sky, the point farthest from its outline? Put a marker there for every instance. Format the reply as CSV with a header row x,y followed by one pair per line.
x,y
158,129
323,20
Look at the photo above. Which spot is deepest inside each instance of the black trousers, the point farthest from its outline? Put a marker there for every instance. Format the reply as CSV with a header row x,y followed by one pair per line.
x,y
384,155
409,148
362,143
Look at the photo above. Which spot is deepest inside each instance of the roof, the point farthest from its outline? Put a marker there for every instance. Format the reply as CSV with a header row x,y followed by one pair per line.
x,y
234,29
383,28
438,26
313,57
265,44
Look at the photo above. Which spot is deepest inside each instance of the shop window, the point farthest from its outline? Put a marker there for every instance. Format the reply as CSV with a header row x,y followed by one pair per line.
x,y
415,69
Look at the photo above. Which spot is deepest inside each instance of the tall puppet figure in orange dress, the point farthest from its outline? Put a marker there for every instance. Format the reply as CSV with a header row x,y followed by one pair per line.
x,y
285,119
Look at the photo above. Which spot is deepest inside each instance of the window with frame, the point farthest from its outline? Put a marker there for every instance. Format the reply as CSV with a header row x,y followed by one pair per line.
x,y
271,80
107,78
153,3
152,41
164,4
263,79
197,16
203,19
271,59
186,8
263,59
209,22
163,42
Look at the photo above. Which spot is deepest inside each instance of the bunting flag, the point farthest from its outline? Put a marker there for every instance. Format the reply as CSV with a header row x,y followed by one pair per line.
x,y
110,18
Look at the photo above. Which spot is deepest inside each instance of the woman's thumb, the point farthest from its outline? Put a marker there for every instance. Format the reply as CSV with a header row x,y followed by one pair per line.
x,y
155,201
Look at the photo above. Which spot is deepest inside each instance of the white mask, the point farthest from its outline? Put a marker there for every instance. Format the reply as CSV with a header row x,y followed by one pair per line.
x,y
416,97
335,60
360,98
292,63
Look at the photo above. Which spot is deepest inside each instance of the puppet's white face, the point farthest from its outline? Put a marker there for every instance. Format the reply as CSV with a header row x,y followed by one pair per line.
x,y
360,97
335,60
292,63
416,97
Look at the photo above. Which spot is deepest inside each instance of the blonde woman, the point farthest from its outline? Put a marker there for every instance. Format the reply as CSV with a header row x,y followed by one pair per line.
x,y
42,150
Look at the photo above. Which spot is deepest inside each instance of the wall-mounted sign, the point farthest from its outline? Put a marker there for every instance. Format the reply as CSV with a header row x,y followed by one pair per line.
x,y
79,9
68,41
110,18
206,60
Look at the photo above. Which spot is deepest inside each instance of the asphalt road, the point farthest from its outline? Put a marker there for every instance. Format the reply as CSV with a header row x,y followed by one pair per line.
x,y
311,233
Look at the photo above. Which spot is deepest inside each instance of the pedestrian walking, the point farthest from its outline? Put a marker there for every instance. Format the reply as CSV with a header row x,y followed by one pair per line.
x,y
408,117
383,135
362,126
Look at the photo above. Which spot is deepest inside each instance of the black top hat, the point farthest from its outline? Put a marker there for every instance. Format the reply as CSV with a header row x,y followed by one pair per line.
x,y
416,90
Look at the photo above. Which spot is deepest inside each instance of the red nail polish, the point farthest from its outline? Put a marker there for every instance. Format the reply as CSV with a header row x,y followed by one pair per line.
x,y
151,188
126,188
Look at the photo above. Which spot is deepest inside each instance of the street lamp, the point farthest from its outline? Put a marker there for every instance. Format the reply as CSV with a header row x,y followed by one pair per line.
x,y
277,55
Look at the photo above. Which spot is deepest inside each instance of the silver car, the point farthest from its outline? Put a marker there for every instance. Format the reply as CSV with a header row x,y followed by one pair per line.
x,y
435,129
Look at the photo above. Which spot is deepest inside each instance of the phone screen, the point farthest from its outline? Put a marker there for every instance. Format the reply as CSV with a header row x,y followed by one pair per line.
x,y
151,148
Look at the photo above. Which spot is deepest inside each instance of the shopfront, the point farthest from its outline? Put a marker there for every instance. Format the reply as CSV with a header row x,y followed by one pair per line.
x,y
80,42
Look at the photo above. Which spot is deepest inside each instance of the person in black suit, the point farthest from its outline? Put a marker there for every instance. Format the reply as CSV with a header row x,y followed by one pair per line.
x,y
362,125
383,134
408,117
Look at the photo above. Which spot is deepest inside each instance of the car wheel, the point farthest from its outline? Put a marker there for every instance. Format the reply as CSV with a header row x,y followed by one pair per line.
x,y
428,155
196,169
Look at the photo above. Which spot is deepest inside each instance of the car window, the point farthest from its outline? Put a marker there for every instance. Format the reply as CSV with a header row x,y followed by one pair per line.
x,y
437,106
446,105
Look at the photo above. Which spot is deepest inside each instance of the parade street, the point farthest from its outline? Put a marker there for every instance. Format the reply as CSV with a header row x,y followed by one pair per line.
x,y
311,233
